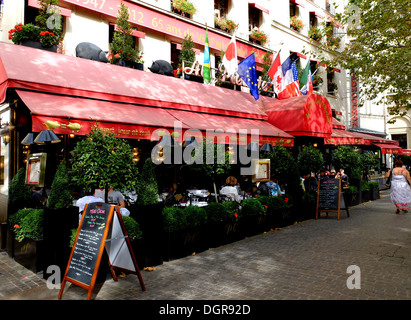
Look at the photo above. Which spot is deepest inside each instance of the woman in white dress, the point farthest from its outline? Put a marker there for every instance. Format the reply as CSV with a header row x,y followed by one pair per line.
x,y
400,187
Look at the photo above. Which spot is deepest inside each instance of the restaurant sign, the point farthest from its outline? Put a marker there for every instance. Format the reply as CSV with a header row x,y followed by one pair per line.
x,y
144,17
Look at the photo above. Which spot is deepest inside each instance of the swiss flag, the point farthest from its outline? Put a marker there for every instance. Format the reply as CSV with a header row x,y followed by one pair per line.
x,y
230,57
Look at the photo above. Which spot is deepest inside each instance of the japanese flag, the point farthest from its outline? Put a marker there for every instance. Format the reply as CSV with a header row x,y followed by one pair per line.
x,y
230,57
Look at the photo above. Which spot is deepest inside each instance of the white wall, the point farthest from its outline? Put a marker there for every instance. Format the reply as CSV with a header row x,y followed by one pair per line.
x,y
13,13
85,26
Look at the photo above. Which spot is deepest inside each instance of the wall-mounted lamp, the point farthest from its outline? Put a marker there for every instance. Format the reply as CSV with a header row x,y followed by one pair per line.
x,y
315,145
46,136
267,147
253,146
6,139
28,139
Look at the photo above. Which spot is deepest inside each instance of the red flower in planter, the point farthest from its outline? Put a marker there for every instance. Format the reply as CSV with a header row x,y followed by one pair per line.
x,y
16,226
286,199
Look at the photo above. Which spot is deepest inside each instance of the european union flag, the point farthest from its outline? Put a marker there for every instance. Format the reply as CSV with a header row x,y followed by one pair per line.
x,y
248,72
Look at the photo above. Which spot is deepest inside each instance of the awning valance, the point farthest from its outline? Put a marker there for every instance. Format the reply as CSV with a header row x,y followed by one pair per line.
x,y
343,137
74,115
301,116
389,148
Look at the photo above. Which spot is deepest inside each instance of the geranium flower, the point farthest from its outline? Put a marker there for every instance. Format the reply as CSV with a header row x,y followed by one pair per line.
x,y
286,199
16,226
235,214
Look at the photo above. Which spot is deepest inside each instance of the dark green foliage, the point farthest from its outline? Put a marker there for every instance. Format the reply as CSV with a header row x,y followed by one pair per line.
x,y
217,212
61,191
284,167
31,226
232,207
102,161
251,206
132,228
345,157
194,216
173,219
18,216
122,46
310,160
187,53
147,188
18,190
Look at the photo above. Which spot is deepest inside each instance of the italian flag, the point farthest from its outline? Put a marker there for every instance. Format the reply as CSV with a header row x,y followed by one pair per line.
x,y
306,80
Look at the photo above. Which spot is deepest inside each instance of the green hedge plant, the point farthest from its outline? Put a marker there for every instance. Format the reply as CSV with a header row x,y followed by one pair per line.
x,y
28,224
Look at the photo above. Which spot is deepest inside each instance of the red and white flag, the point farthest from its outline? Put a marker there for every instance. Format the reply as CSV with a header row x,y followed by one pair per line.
x,y
230,57
276,75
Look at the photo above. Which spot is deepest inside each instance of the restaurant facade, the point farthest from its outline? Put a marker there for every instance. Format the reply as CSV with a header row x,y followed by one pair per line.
x,y
43,91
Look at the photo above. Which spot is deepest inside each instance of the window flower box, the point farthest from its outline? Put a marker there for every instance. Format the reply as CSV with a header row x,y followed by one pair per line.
x,y
258,36
296,23
184,7
225,24
315,33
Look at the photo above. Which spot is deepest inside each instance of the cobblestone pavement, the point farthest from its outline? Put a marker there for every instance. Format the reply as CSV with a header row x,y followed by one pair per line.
x,y
305,261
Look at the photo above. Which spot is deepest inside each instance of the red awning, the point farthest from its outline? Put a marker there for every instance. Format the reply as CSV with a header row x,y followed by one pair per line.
x,y
258,6
406,152
39,70
67,115
337,124
301,116
343,137
389,148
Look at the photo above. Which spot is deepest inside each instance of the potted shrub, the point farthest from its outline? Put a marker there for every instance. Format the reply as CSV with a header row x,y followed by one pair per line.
x,y
135,235
352,196
122,50
253,215
345,157
184,8
317,81
19,196
296,23
365,191
27,225
188,56
175,233
148,212
47,31
374,190
60,217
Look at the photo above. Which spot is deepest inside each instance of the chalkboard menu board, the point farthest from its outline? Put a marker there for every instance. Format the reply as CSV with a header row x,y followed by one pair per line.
x,y
89,240
330,198
329,191
88,247
99,221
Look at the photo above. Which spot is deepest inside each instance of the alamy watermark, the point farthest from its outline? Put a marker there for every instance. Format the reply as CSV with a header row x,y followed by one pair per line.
x,y
208,148
354,280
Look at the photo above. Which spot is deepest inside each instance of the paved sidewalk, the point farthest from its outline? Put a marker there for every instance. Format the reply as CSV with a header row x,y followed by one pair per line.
x,y
306,261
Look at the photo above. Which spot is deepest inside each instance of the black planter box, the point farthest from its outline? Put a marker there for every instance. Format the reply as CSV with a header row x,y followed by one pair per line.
x,y
181,243
375,193
37,45
365,195
151,222
353,199
58,224
224,232
30,254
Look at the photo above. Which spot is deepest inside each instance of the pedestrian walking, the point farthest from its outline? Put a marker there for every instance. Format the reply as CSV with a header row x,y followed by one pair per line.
x,y
400,187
